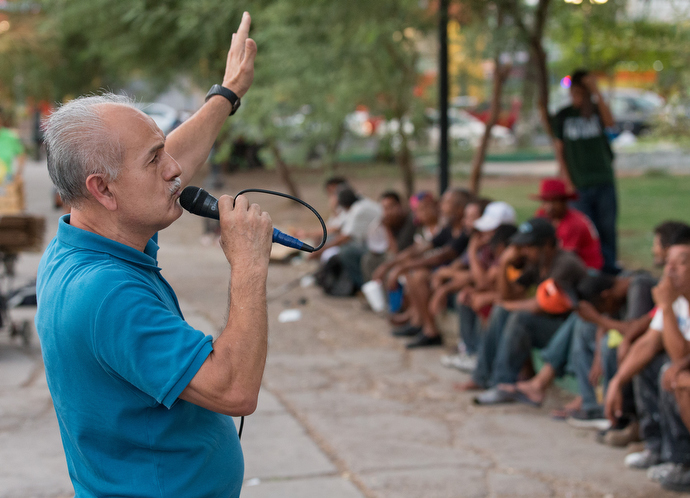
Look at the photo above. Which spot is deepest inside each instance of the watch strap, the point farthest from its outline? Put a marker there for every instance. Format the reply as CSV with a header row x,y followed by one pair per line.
x,y
228,94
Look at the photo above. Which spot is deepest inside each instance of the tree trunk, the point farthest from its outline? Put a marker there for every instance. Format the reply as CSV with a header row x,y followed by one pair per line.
x,y
525,124
283,171
405,164
332,150
539,56
500,75
534,36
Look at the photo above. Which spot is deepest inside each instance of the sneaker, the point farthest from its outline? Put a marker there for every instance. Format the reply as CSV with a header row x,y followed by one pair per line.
x,y
463,362
589,419
642,459
620,437
658,472
678,479
423,341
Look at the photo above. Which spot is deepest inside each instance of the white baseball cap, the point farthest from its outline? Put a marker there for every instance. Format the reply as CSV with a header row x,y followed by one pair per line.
x,y
495,214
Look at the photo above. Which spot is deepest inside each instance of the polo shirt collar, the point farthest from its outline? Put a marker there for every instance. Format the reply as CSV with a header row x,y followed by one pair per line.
x,y
83,239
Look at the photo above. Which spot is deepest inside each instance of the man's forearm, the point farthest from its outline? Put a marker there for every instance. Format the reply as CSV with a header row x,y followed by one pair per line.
x,y
244,341
604,111
190,143
641,353
530,305
438,257
675,344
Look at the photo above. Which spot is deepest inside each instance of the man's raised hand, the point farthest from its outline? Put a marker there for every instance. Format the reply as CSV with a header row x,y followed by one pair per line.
x,y
239,69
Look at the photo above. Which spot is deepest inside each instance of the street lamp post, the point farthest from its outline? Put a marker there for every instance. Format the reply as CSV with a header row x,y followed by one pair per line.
x,y
443,95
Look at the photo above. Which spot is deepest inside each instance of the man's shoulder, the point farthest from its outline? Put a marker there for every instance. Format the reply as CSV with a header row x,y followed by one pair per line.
x,y
575,219
568,262
91,273
567,111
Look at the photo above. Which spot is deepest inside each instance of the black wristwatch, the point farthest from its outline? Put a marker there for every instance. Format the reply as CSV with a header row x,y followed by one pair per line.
x,y
228,94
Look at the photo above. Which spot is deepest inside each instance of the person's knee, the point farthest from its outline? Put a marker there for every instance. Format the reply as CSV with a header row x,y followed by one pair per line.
x,y
516,333
418,277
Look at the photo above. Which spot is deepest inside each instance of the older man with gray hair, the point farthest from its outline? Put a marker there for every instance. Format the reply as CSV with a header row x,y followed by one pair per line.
x,y
143,398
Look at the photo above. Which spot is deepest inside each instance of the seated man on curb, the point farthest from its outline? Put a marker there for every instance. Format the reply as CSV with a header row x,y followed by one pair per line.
x,y
416,263
619,307
474,306
517,324
667,338
493,232
394,233
360,215
424,207
451,279
574,230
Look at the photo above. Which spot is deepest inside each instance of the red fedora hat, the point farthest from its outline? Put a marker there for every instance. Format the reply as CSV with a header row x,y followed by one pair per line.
x,y
552,189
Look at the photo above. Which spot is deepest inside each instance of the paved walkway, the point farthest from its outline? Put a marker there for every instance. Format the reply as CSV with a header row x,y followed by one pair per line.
x,y
345,411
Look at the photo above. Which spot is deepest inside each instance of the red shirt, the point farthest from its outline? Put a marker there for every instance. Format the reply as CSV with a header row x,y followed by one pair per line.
x,y
576,233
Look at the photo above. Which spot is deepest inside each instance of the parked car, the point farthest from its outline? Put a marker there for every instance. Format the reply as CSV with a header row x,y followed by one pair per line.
x,y
466,130
634,110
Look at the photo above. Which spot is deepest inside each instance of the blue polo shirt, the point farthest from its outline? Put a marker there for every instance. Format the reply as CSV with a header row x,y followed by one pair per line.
x,y
117,354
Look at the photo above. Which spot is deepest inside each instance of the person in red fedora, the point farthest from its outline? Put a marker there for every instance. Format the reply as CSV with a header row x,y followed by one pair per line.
x,y
574,230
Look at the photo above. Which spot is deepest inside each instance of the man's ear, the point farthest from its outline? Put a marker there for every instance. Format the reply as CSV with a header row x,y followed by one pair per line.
x,y
99,189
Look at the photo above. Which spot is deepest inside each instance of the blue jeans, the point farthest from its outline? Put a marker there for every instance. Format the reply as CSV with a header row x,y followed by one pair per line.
x,y
600,204
508,343
584,345
470,329
557,352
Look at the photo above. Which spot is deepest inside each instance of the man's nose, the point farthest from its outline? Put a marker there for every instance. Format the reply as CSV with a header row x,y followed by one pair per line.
x,y
172,168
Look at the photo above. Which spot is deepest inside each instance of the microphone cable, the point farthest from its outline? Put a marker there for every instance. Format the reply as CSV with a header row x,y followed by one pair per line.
x,y
323,240
293,198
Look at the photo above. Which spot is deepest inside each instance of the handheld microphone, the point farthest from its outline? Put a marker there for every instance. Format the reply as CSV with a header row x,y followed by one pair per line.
x,y
197,201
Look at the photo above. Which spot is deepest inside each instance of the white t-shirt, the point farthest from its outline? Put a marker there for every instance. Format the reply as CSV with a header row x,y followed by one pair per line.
x,y
360,215
336,221
681,308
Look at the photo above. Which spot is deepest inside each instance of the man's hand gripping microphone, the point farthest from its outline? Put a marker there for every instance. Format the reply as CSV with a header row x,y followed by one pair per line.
x,y
197,201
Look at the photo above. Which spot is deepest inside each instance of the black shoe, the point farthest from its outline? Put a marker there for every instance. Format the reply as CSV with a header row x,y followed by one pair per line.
x,y
407,331
423,341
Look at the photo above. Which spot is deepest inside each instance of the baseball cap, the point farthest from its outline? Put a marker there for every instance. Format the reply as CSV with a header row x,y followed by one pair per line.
x,y
534,232
495,214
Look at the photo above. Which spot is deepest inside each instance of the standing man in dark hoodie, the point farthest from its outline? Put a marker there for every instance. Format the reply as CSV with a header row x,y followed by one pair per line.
x,y
586,160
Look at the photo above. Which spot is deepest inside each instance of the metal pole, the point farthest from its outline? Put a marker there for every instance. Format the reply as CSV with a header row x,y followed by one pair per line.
x,y
443,95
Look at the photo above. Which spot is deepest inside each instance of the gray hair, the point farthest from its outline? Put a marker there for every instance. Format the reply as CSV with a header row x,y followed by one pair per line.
x,y
80,144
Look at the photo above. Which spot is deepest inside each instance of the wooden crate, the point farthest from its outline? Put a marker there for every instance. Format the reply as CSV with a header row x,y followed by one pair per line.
x,y
12,197
21,232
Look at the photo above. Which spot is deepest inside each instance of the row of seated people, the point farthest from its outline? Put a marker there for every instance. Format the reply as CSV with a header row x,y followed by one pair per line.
x,y
533,286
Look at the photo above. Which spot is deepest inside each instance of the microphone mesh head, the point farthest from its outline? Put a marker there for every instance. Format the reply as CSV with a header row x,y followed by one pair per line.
x,y
189,198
